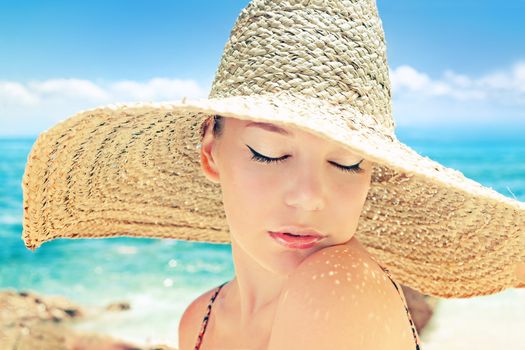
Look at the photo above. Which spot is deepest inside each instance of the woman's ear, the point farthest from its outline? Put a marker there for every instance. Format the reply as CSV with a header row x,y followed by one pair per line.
x,y
208,153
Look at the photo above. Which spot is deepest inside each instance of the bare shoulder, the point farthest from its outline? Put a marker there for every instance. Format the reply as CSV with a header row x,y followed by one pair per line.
x,y
340,298
191,320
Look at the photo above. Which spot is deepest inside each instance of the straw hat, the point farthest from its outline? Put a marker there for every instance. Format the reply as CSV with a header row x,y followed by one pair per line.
x,y
319,65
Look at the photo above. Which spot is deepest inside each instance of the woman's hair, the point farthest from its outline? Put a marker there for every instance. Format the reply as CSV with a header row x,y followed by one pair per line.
x,y
218,125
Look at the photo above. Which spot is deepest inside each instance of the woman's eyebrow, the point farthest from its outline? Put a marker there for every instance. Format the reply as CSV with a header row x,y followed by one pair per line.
x,y
270,127
274,128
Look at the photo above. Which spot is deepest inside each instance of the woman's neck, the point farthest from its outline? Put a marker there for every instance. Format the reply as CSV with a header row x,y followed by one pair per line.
x,y
254,290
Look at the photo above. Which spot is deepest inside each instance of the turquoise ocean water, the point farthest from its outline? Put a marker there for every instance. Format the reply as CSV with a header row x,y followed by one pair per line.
x,y
161,277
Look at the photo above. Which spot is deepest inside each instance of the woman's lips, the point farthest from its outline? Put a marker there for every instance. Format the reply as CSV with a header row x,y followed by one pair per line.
x,y
296,242
299,230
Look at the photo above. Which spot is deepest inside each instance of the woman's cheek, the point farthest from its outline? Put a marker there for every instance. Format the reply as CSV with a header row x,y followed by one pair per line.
x,y
258,178
348,202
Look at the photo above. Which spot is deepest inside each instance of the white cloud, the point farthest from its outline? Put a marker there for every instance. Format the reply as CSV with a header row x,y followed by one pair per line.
x,y
67,89
156,89
497,97
29,108
506,85
409,78
13,93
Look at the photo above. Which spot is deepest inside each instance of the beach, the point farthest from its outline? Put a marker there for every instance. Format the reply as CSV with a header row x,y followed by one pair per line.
x,y
32,321
483,323
158,278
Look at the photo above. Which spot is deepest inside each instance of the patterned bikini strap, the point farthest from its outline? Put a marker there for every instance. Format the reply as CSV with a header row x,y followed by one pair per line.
x,y
414,333
207,316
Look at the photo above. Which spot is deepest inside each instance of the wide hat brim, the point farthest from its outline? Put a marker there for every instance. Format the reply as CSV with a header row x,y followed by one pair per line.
x,y
134,170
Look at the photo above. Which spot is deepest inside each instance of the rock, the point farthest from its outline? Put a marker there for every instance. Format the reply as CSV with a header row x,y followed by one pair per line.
x,y
27,306
98,342
29,322
121,306
420,306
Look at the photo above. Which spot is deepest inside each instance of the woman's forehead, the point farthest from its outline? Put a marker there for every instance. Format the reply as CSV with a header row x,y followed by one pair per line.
x,y
282,129
269,127
287,130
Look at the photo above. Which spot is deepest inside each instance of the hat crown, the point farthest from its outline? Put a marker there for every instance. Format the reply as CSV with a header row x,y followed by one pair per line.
x,y
329,49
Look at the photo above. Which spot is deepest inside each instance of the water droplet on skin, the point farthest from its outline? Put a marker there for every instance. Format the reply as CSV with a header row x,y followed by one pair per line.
x,y
316,314
326,315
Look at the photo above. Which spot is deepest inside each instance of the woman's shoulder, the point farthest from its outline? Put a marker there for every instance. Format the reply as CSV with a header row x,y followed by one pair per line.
x,y
192,318
339,297
343,264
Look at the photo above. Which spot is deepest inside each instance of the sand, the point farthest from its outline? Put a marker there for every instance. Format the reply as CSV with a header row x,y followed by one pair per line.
x,y
29,321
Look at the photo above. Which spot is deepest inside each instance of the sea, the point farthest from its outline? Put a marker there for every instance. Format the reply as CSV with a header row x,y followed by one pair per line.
x,y
160,277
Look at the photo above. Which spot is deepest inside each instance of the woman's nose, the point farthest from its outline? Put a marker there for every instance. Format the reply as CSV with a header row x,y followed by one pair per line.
x,y
306,190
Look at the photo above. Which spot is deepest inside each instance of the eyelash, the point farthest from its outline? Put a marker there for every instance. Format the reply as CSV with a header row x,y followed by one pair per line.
x,y
260,158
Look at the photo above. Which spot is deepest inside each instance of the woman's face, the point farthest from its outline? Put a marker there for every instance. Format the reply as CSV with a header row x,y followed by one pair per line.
x,y
305,188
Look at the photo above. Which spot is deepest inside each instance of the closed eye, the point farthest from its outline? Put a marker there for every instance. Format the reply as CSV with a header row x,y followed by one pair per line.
x,y
256,156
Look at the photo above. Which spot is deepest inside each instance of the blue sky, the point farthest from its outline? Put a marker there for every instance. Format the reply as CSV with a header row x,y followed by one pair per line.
x,y
451,62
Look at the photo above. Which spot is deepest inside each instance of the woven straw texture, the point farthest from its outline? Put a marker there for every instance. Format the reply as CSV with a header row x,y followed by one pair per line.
x,y
134,169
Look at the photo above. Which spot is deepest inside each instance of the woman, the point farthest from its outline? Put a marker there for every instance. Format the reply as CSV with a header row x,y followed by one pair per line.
x,y
306,143
292,294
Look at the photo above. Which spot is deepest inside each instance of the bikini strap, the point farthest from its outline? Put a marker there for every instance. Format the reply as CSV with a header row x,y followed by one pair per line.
x,y
207,316
398,288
